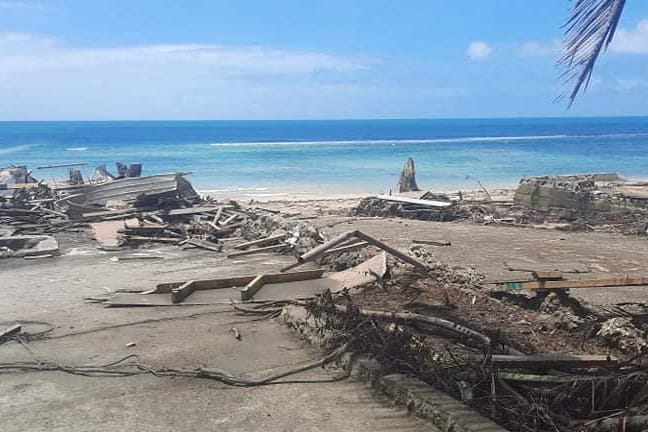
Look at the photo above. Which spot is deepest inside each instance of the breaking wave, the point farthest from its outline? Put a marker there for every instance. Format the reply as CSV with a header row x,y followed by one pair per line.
x,y
77,149
422,141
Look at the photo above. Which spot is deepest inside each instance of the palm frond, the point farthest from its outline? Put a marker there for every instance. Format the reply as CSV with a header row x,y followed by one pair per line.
x,y
589,30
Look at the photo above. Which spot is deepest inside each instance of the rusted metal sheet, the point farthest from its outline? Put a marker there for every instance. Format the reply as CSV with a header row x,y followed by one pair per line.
x,y
128,189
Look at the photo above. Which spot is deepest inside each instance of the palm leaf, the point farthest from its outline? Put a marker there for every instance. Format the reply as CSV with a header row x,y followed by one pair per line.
x,y
589,30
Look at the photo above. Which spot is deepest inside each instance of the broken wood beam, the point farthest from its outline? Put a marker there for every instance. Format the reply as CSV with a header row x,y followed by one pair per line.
x,y
347,248
321,249
257,250
398,254
421,202
252,288
552,361
218,215
576,283
270,239
252,284
229,219
193,210
203,244
179,294
151,239
207,284
433,242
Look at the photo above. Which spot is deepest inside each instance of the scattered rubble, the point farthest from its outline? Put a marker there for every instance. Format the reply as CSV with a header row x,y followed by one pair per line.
x,y
621,333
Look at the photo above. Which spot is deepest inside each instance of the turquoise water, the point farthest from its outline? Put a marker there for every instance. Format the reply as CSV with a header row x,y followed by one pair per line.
x,y
259,158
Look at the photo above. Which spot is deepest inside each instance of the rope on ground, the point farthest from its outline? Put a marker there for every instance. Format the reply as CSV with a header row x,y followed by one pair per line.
x,y
127,367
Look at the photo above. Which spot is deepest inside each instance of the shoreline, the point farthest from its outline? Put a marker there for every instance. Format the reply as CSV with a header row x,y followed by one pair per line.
x,y
305,195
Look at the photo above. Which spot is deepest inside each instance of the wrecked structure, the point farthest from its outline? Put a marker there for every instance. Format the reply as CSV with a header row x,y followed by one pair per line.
x,y
523,353
601,202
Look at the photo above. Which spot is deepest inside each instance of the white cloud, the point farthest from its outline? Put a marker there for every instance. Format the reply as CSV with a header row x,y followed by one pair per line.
x,y
624,85
631,41
17,4
21,52
537,49
43,77
479,50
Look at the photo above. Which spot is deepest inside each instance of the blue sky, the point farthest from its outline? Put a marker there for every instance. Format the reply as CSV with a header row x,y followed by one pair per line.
x,y
290,59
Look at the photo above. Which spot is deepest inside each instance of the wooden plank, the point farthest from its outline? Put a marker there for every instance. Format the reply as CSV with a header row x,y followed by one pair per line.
x,y
152,239
421,202
236,281
321,249
347,248
252,288
229,219
551,361
182,292
205,245
577,284
293,277
192,211
261,241
254,251
547,275
526,377
433,242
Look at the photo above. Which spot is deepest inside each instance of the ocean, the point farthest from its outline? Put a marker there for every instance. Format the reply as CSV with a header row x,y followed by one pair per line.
x,y
282,159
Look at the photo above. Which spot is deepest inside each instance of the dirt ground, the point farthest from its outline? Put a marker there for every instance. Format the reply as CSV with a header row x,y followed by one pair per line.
x,y
53,290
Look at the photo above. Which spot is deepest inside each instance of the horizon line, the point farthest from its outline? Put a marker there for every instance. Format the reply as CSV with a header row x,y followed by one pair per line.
x,y
325,119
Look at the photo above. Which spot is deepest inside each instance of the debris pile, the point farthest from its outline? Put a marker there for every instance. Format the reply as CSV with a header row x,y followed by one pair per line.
x,y
588,202
554,364
298,236
429,207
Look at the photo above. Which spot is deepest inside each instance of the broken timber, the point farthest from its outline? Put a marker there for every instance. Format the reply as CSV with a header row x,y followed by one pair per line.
x,y
181,290
258,250
433,242
421,202
552,361
342,238
540,285
258,242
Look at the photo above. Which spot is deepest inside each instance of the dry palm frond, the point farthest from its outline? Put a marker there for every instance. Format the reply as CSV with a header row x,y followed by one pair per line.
x,y
589,29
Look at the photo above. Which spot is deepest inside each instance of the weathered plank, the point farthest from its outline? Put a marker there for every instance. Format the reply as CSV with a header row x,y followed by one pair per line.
x,y
433,242
252,288
551,361
576,284
258,250
270,239
238,281
182,292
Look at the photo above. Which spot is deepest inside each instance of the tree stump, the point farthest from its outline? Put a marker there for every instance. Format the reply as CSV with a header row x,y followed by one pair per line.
x,y
407,181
